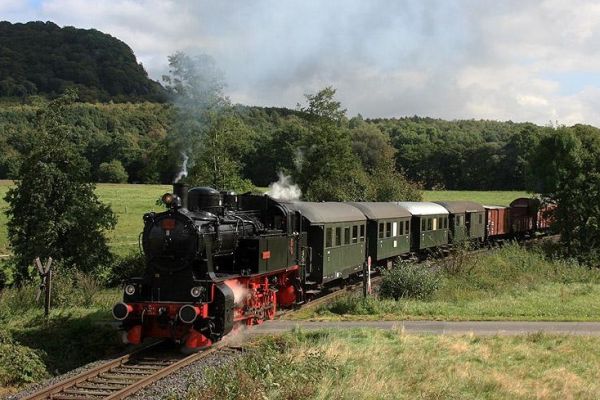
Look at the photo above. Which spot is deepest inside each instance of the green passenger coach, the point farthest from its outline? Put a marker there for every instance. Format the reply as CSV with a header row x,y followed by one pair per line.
x,y
388,230
467,220
337,237
429,224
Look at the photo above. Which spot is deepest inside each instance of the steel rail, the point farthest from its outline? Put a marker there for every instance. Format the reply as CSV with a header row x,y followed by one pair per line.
x,y
121,377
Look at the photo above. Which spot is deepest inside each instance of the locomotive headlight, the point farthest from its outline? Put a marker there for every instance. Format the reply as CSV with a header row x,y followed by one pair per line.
x,y
167,198
130,290
196,291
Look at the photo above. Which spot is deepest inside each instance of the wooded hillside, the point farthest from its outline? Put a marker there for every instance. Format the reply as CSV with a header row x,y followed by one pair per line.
x,y
40,58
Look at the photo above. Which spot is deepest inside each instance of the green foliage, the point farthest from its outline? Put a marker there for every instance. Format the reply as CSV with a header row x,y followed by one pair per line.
x,y
566,168
206,128
112,172
409,280
124,267
19,364
42,58
53,210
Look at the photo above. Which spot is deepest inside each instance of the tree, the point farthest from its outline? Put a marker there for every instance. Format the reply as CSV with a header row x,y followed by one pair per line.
x,y
206,127
52,209
566,171
329,171
112,172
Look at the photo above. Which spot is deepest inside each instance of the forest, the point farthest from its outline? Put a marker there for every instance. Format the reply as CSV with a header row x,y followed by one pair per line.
x,y
40,58
129,142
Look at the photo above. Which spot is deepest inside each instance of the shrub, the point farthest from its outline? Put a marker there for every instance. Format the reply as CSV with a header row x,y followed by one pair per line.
x,y
123,268
112,172
19,364
409,281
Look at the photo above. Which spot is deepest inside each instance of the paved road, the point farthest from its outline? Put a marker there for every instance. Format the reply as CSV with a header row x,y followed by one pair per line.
x,y
440,327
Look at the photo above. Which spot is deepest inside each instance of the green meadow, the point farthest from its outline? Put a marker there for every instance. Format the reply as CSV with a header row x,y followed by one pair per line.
x,y
130,202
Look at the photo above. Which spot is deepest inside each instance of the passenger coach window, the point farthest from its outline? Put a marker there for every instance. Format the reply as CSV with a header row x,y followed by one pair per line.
x,y
355,234
445,222
347,235
362,233
401,229
388,229
406,228
328,237
429,224
423,222
381,230
338,236
480,219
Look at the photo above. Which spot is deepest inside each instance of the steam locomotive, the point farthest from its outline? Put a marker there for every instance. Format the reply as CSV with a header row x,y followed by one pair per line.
x,y
213,261
216,261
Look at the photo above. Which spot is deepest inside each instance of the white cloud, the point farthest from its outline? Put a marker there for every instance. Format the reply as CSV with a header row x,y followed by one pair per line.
x,y
449,59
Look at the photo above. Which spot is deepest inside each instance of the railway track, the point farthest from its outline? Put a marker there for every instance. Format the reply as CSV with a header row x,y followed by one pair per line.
x,y
122,377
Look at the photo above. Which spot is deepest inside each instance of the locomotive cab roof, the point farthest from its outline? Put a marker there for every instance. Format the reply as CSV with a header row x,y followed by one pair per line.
x,y
326,212
375,210
461,207
418,208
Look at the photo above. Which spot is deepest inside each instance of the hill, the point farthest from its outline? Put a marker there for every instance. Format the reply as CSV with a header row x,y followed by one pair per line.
x,y
41,58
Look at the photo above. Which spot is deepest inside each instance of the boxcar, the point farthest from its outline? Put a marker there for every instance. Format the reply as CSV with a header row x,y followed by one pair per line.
x,y
467,220
523,215
429,224
336,235
388,230
497,221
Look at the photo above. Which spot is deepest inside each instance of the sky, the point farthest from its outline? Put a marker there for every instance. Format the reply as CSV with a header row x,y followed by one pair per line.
x,y
527,60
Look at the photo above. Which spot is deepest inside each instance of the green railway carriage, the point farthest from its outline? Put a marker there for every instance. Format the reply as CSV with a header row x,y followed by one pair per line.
x,y
429,223
337,238
467,220
388,229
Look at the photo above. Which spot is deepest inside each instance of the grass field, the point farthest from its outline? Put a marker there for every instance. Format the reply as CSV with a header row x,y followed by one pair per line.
x,y
509,284
130,202
373,364
498,198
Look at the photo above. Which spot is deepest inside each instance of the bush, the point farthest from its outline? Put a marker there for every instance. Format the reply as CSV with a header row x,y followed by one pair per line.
x,y
409,281
112,172
123,268
19,364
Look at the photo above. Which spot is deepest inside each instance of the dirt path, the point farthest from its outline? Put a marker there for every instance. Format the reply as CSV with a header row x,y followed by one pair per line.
x,y
439,327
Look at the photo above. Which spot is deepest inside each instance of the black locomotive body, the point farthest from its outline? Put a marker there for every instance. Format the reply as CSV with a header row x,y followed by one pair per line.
x,y
213,261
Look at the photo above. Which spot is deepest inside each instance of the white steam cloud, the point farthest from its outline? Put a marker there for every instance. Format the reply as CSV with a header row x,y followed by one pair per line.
x,y
183,172
284,189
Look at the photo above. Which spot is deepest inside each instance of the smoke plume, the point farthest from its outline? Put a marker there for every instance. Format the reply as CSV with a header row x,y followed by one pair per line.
x,y
183,172
284,189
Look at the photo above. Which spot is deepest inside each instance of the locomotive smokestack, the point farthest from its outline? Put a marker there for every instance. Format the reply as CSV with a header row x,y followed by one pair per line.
x,y
181,191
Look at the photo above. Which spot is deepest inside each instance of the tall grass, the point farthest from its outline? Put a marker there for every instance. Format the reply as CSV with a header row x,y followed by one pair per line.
x,y
375,364
509,283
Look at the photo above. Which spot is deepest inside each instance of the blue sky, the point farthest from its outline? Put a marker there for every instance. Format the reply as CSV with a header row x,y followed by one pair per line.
x,y
511,60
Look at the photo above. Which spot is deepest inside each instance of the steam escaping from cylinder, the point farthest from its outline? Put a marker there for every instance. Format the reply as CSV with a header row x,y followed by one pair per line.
x,y
183,172
284,189
240,293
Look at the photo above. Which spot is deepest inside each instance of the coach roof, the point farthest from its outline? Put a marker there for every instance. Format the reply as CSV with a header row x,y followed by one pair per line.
x,y
422,207
376,210
327,212
461,207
